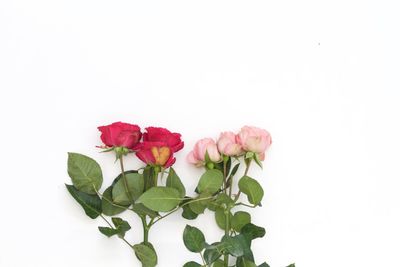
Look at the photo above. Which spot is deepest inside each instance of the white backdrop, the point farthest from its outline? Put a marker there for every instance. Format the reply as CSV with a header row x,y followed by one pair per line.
x,y
321,76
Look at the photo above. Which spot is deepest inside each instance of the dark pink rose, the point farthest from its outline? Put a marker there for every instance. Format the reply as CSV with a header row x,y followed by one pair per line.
x,y
158,134
120,134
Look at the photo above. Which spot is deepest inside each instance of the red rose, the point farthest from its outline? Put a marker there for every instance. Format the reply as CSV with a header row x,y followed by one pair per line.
x,y
157,134
120,134
156,153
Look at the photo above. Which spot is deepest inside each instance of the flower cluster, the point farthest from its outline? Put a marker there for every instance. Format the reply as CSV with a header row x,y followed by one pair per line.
x,y
223,188
249,140
219,190
157,147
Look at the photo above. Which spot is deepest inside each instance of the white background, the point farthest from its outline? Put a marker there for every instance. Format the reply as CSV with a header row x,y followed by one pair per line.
x,y
321,76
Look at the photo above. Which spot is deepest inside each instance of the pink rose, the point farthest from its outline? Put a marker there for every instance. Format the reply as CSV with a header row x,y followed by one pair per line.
x,y
228,145
197,155
253,139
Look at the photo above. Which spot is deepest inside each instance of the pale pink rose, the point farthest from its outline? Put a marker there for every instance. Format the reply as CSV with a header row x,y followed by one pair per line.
x,y
253,139
227,144
197,155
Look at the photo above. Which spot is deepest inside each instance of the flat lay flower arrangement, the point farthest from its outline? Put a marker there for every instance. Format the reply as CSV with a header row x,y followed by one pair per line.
x,y
155,191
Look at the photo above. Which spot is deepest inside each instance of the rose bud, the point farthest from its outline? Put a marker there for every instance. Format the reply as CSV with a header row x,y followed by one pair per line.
x,y
227,144
198,155
120,134
253,139
156,154
157,134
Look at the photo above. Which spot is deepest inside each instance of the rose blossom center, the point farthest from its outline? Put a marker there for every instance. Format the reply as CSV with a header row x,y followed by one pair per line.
x,y
161,154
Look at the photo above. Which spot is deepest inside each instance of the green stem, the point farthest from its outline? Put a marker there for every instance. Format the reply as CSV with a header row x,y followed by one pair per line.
x,y
227,227
226,260
162,217
225,178
128,193
243,204
202,258
152,222
155,181
146,229
230,186
227,213
121,162
248,163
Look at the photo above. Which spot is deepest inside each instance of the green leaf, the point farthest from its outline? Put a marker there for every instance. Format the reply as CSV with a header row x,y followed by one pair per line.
x,y
108,204
135,188
264,264
217,245
141,210
121,227
234,170
242,262
187,212
220,217
120,176
192,264
249,155
258,160
218,263
146,255
85,173
291,265
251,231
193,239
207,158
245,243
91,204
224,200
252,189
161,198
240,219
211,181
199,204
211,255
150,245
236,245
212,206
107,231
197,207
174,181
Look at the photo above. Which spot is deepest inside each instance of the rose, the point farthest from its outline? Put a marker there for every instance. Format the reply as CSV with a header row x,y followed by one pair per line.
x,y
228,145
156,153
203,146
158,134
120,134
253,139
